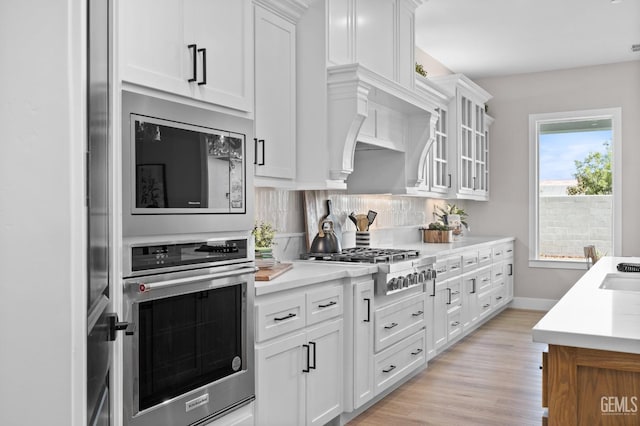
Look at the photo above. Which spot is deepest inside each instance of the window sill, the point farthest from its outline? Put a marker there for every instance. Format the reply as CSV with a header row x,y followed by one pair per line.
x,y
558,264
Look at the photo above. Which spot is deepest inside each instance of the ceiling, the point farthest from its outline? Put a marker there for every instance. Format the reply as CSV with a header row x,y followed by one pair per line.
x,y
503,37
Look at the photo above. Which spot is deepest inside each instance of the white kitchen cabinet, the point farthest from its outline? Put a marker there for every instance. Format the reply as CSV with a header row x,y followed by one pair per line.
x,y
324,380
468,132
275,98
438,174
470,311
299,356
280,382
379,34
397,320
198,49
395,362
429,315
362,356
299,377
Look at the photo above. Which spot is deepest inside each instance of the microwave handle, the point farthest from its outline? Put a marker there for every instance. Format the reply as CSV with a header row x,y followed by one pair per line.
x,y
144,287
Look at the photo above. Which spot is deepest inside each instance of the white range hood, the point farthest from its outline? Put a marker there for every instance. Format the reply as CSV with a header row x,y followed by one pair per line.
x,y
378,132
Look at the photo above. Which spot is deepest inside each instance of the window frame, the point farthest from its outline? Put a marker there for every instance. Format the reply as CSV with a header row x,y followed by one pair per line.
x,y
615,114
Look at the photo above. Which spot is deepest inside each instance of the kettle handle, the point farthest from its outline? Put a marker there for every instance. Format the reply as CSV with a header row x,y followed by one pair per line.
x,y
321,227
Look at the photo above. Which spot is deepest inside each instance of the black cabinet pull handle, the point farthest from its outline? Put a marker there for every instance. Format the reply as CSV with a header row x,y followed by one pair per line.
x,y
291,315
449,180
195,62
416,352
204,67
417,314
313,367
255,151
261,163
449,302
390,326
473,280
368,310
510,269
306,370
333,302
391,368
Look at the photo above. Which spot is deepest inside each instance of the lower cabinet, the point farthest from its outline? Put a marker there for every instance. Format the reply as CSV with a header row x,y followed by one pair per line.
x,y
395,362
590,387
300,377
361,358
299,356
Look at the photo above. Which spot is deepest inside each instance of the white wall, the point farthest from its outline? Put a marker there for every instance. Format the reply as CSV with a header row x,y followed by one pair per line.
x,y
41,213
514,98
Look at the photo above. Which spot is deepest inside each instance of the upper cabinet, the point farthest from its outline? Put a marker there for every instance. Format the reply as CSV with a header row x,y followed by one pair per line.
x,y
275,91
198,49
461,170
377,34
357,103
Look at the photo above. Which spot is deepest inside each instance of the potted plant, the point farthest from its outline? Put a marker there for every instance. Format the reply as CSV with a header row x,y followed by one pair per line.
x,y
443,214
264,234
437,232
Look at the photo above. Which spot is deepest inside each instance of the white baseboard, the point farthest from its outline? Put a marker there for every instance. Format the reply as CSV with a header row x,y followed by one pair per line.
x,y
532,303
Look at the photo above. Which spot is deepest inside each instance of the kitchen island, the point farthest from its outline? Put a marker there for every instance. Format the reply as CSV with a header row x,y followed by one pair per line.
x,y
591,373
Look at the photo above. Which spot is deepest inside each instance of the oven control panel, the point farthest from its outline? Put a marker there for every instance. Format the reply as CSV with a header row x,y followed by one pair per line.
x,y
171,255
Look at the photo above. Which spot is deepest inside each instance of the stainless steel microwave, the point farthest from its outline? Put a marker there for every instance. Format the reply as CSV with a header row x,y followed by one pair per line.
x,y
184,168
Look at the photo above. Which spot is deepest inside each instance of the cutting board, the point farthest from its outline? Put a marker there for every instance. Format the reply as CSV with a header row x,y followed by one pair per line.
x,y
271,273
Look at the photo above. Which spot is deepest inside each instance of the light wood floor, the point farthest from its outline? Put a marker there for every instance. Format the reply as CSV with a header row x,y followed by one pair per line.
x,y
491,377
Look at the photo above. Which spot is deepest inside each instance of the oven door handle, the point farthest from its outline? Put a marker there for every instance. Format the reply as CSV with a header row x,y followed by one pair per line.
x,y
144,287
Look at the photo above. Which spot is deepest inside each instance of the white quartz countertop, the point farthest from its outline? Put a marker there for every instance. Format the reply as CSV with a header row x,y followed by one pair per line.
x,y
459,246
590,317
306,273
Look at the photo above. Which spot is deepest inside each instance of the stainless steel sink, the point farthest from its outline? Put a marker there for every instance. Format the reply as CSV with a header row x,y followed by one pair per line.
x,y
624,282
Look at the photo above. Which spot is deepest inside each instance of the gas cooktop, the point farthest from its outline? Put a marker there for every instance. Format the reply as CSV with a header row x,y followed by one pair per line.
x,y
398,269
366,255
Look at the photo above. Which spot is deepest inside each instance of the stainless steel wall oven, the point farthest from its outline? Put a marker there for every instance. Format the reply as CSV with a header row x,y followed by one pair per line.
x,y
188,349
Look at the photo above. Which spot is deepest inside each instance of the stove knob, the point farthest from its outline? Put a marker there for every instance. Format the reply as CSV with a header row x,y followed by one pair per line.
x,y
391,284
408,280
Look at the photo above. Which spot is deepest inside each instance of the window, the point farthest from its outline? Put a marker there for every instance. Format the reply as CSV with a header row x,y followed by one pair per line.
x,y
574,186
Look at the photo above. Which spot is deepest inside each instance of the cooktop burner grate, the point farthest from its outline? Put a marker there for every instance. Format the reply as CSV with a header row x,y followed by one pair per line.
x,y
366,255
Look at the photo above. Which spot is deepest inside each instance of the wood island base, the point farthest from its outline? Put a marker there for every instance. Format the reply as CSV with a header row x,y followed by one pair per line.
x,y
590,387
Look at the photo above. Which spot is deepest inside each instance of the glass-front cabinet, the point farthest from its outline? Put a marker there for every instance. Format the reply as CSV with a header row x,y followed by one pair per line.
x,y
465,128
439,175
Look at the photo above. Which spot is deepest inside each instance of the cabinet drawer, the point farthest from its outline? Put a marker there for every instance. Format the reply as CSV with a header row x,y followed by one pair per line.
x,y
398,320
469,260
279,317
484,280
454,266
484,304
498,272
448,267
442,272
498,297
503,251
454,323
484,257
396,362
324,304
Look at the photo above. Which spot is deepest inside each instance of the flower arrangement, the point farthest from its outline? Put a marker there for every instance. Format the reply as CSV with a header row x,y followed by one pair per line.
x,y
264,234
442,213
